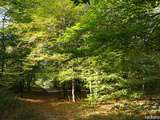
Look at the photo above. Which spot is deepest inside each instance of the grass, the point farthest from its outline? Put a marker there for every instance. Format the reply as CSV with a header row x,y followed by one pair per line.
x,y
8,102
11,108
27,113
112,116
44,107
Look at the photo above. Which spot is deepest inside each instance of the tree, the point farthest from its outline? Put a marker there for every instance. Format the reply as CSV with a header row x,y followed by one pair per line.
x,y
38,26
109,27
111,46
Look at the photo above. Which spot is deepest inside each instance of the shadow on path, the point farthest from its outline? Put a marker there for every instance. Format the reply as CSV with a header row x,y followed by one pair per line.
x,y
49,107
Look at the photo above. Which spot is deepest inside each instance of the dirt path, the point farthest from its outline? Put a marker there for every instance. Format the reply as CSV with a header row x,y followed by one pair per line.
x,y
44,106
52,108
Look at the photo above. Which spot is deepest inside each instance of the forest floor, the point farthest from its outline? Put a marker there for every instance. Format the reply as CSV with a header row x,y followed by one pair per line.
x,y
51,108
45,107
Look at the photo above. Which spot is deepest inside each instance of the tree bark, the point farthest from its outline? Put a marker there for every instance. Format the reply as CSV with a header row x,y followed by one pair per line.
x,y
73,91
3,49
90,88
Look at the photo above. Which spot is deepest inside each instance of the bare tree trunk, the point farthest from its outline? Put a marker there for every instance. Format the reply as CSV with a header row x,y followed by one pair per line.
x,y
91,92
2,69
143,87
73,91
30,78
90,88
21,79
3,49
21,87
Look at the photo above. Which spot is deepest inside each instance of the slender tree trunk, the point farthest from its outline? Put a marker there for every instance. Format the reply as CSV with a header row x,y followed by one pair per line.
x,y
21,79
143,87
3,50
73,90
21,87
29,81
29,85
90,88
91,92
2,69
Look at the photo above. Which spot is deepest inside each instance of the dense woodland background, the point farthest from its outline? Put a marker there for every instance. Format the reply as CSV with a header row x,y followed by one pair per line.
x,y
99,50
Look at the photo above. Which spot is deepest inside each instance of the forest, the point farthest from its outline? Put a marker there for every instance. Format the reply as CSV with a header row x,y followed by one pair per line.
x,y
79,59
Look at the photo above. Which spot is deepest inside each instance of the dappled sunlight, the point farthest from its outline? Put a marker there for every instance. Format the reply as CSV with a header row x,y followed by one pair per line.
x,y
47,107
79,59
112,116
52,107
33,100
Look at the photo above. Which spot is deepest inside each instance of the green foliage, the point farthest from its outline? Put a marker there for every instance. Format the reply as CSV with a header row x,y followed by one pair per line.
x,y
113,45
109,42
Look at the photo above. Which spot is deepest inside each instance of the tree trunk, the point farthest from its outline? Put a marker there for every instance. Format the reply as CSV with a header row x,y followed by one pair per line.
x,y
30,78
2,68
21,79
90,88
73,90
3,49
21,88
